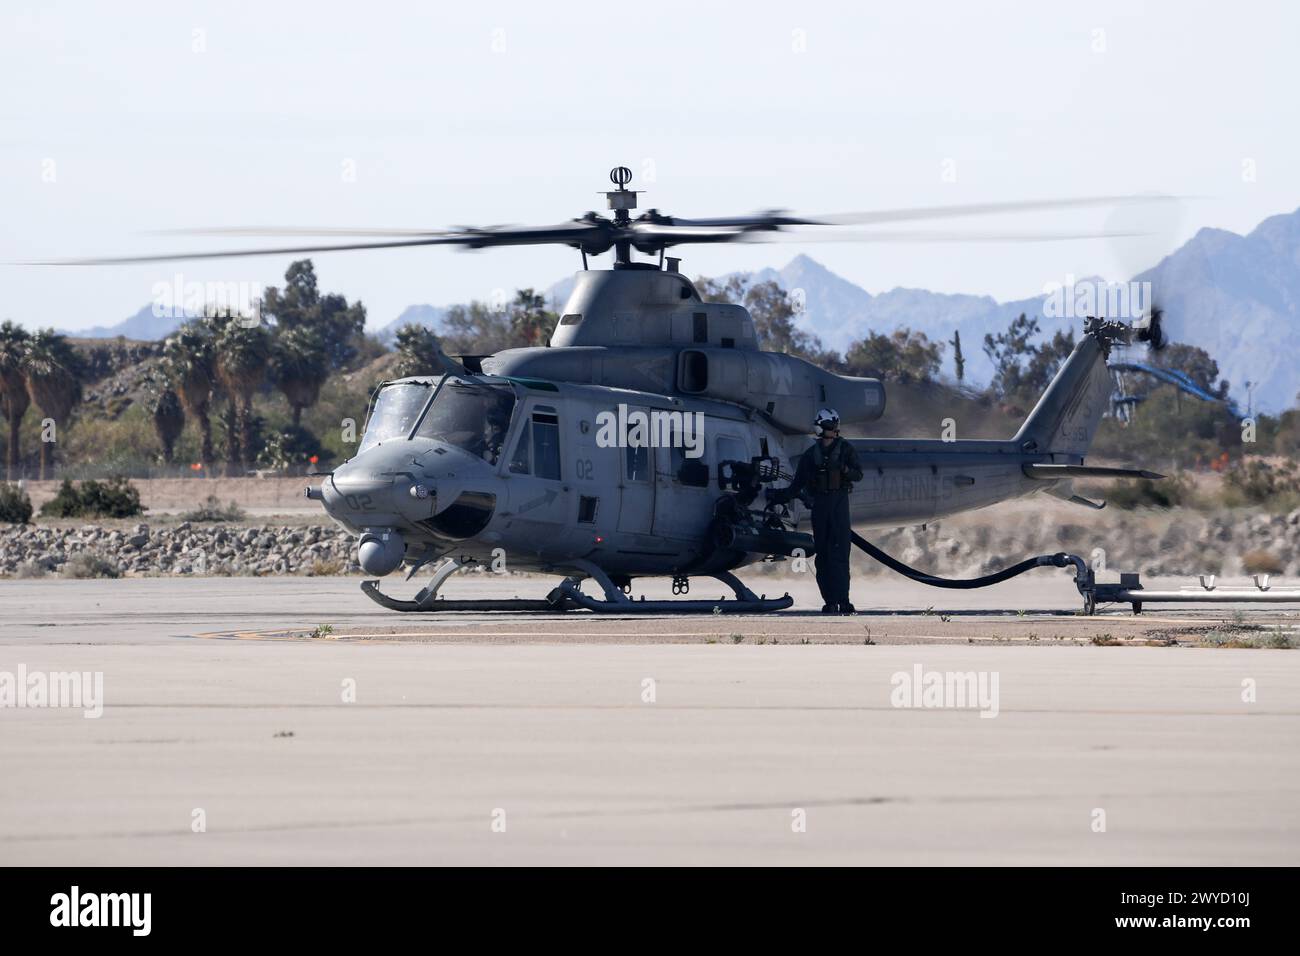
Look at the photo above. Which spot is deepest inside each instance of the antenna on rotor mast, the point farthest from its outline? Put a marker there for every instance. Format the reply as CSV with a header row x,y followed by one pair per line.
x,y
620,201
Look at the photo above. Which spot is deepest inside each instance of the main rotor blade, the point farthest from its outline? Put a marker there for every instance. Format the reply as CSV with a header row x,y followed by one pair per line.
x,y
648,236
979,209
934,236
768,219
296,231
654,231
764,220
593,236
519,234
233,253
776,218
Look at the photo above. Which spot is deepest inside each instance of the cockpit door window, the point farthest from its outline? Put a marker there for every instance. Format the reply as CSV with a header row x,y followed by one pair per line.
x,y
470,415
521,462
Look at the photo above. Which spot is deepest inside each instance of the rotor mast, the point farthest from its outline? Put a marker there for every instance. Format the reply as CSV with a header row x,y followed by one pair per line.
x,y
621,200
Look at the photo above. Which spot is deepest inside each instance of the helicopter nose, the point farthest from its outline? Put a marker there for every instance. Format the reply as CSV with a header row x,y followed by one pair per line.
x,y
359,496
354,480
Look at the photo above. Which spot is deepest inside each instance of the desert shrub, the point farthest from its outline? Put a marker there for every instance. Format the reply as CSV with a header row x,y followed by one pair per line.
x,y
1170,492
1260,561
15,506
1258,482
325,567
115,498
66,503
213,510
1169,427
29,569
291,449
90,565
102,446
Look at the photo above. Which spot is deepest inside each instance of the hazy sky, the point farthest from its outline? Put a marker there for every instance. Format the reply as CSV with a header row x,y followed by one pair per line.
x,y
117,119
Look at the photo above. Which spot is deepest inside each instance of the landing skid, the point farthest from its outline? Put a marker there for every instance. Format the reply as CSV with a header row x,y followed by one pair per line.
x,y
755,605
616,602
371,590
569,596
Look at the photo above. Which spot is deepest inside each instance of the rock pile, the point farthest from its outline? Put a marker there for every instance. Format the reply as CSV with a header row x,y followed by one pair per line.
x,y
216,549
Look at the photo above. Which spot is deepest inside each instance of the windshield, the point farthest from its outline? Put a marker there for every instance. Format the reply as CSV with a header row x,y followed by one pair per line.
x,y
471,416
396,410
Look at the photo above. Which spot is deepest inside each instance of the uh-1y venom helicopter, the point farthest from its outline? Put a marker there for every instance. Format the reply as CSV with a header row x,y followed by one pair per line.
x,y
580,458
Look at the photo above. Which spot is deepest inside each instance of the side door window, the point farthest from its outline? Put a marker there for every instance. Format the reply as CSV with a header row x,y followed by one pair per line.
x,y
688,470
545,428
730,448
637,463
537,446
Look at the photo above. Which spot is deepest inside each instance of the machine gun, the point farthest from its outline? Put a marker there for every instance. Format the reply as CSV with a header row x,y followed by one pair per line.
x,y
737,527
746,478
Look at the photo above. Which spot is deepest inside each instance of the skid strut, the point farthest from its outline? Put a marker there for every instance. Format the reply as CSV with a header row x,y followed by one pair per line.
x,y
427,597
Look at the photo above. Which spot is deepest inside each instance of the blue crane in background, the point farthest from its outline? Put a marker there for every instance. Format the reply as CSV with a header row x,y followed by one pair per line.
x,y
1124,402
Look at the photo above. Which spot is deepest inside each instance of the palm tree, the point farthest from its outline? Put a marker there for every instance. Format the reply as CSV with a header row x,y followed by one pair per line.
x,y
13,388
242,354
53,383
188,363
530,322
417,350
228,418
168,420
299,364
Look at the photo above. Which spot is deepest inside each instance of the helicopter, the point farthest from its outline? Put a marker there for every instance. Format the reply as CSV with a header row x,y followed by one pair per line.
x,y
635,443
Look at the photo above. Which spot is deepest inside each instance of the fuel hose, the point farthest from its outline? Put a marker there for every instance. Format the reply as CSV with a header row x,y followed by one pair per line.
x,y
1058,560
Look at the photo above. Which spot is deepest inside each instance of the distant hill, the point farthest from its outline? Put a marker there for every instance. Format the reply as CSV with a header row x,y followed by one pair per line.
x,y
143,326
426,315
1238,297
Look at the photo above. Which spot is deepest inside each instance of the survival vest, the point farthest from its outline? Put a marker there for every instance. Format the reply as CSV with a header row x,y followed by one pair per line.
x,y
828,467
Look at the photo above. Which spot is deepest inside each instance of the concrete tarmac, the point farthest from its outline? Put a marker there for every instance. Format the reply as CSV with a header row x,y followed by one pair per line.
x,y
228,735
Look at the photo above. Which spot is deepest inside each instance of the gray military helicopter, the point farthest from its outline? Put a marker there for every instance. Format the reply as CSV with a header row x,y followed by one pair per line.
x,y
635,444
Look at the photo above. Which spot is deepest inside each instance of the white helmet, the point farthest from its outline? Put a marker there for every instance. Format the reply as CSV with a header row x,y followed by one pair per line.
x,y
827,419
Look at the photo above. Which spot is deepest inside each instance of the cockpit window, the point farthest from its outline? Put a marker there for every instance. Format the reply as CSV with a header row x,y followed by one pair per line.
x,y
472,416
396,409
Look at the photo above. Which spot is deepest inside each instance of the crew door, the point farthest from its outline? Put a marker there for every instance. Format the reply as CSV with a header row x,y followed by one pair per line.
x,y
636,514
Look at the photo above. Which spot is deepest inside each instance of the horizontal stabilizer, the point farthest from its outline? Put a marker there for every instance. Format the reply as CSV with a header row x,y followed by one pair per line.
x,y
1055,472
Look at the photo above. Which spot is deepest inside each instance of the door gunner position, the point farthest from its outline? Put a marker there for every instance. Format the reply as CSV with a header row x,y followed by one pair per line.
x,y
827,471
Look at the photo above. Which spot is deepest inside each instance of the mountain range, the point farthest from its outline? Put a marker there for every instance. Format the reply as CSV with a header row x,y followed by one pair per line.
x,y
1237,297
144,325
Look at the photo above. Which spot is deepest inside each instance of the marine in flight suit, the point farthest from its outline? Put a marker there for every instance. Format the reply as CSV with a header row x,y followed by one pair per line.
x,y
826,473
